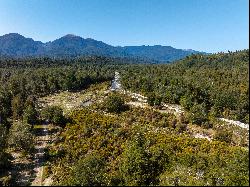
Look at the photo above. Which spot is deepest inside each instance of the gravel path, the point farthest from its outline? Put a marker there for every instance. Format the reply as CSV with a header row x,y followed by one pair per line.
x,y
41,144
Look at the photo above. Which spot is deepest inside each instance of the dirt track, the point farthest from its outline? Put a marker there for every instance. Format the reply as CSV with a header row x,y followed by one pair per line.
x,y
41,143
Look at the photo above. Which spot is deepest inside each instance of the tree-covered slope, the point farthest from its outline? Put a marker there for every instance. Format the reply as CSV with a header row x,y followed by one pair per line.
x,y
217,84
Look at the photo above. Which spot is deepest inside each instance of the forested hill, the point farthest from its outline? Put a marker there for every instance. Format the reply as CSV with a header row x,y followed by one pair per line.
x,y
16,45
36,62
218,60
217,84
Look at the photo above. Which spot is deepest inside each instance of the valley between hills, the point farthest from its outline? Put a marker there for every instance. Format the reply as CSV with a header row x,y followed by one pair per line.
x,y
96,121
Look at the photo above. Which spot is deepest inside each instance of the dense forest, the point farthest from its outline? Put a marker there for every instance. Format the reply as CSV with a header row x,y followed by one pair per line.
x,y
110,143
217,84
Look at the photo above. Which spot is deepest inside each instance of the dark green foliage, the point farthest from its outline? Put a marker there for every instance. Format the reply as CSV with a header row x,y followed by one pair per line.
x,y
88,171
198,114
21,137
218,82
5,106
114,104
4,156
30,115
223,135
136,165
17,105
151,100
53,114
186,102
181,127
154,100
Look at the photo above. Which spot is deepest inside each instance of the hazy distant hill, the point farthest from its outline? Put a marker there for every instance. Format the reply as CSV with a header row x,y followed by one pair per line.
x,y
158,52
16,45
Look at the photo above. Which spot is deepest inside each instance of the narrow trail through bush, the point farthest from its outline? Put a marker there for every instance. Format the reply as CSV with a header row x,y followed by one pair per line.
x,y
40,160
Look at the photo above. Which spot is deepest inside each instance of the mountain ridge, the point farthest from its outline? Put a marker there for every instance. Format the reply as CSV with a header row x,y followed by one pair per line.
x,y
16,45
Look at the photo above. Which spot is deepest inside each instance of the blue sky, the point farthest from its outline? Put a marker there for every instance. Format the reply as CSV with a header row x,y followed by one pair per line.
x,y
204,25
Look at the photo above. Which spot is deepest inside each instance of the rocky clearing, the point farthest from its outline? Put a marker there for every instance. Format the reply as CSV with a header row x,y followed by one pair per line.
x,y
31,171
69,100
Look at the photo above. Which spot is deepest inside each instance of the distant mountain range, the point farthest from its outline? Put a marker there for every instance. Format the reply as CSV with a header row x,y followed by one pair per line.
x,y
16,45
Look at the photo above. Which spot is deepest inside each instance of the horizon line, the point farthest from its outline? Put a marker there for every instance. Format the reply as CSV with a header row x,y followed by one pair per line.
x,y
74,35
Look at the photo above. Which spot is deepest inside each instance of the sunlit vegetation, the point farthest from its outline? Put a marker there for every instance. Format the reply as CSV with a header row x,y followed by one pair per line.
x,y
216,85
114,104
111,143
20,137
54,115
126,151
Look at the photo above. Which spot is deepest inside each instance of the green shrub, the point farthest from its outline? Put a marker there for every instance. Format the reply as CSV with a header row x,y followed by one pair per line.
x,y
53,114
30,115
89,171
114,104
20,137
198,114
223,135
181,127
136,164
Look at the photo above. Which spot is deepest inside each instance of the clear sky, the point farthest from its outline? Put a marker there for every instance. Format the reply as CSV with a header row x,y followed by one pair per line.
x,y
204,25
